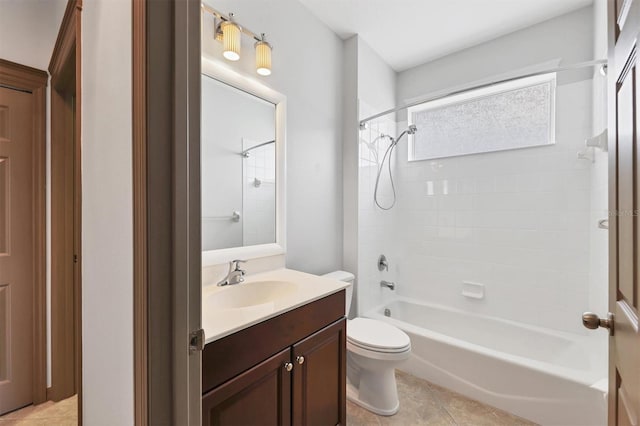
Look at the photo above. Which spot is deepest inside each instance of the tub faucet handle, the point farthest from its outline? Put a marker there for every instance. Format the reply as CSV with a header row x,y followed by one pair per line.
x,y
388,284
383,264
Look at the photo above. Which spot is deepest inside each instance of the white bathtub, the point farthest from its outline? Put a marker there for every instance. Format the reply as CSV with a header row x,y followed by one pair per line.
x,y
547,376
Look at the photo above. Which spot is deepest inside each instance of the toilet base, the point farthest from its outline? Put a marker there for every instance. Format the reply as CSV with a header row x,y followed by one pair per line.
x,y
353,396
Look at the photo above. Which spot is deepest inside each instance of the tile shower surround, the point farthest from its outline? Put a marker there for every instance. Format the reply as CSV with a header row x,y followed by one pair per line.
x,y
259,202
516,221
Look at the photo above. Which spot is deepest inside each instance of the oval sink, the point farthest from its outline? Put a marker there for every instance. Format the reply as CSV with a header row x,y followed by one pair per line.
x,y
250,294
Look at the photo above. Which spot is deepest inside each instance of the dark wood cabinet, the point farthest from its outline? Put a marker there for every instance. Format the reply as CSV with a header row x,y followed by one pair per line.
x,y
289,370
259,396
319,380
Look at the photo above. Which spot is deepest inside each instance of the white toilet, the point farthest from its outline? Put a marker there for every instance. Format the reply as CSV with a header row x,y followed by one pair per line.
x,y
374,349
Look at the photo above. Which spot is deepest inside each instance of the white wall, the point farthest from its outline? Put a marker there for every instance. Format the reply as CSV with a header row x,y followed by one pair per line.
x,y
376,80
232,118
307,69
350,184
107,220
517,221
566,37
32,28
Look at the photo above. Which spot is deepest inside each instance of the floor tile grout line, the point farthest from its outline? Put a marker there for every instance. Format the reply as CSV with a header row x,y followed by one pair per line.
x,y
436,394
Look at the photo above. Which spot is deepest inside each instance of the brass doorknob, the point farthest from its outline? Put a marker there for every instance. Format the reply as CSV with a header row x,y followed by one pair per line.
x,y
288,366
300,359
593,321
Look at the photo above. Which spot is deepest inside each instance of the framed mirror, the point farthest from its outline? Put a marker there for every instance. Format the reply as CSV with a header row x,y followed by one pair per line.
x,y
242,167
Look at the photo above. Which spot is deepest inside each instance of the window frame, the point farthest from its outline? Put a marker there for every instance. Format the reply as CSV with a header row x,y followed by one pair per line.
x,y
486,92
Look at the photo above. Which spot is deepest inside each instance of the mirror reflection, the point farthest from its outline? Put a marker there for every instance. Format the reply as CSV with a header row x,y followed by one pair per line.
x,y
238,167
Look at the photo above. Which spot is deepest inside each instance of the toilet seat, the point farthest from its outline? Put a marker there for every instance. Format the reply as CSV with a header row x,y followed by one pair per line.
x,y
377,336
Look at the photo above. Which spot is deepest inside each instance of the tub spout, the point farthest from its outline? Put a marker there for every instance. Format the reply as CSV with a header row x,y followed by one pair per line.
x,y
388,284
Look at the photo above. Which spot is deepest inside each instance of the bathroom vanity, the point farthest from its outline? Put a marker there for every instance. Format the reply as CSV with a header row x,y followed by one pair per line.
x,y
275,341
279,362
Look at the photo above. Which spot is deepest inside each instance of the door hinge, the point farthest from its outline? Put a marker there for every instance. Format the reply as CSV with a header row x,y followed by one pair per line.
x,y
196,341
75,258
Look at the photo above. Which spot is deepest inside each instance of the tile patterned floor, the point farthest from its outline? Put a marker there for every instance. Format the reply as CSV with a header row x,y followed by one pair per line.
x,y
63,413
423,403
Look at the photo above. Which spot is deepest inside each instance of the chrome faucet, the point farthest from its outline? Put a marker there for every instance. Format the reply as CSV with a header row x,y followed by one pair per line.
x,y
388,284
235,274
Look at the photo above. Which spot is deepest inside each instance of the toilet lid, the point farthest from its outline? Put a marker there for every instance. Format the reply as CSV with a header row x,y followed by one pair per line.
x,y
377,335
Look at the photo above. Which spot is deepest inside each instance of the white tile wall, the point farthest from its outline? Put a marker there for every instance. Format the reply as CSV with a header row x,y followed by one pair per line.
x,y
259,202
518,221
376,227
599,238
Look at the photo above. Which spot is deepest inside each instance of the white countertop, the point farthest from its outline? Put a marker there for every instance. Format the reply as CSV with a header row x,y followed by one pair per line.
x,y
218,323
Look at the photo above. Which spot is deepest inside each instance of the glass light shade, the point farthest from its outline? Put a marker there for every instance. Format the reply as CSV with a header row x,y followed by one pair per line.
x,y
231,40
263,58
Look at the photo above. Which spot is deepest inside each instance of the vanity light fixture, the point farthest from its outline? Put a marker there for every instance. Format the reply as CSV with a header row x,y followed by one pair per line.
x,y
263,57
231,38
229,32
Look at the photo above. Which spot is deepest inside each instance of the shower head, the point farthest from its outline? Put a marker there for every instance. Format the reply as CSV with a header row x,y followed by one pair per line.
x,y
411,130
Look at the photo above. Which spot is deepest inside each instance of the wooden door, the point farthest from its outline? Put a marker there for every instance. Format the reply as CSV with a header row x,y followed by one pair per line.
x,y
259,396
16,249
319,379
65,249
624,204
66,209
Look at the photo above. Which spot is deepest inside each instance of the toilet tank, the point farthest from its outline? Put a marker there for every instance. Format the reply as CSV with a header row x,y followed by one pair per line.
x,y
346,277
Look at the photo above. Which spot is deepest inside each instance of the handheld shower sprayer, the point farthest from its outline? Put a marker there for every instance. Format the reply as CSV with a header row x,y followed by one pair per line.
x,y
411,130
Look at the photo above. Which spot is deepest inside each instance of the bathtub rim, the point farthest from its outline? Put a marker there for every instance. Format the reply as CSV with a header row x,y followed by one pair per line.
x,y
591,378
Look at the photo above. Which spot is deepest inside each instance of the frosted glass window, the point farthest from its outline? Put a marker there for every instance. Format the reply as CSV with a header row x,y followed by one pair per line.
x,y
518,114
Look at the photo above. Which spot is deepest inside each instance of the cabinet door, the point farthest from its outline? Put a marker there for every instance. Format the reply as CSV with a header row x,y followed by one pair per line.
x,y
319,379
259,396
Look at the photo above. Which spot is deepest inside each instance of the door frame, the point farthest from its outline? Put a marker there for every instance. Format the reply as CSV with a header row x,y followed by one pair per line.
x,y
612,91
166,199
139,156
32,80
624,342
66,297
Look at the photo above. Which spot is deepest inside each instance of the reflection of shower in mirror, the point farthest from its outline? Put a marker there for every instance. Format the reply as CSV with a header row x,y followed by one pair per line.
x,y
245,153
239,150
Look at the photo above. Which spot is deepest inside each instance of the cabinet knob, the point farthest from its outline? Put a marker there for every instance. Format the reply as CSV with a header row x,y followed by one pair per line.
x,y
300,359
288,366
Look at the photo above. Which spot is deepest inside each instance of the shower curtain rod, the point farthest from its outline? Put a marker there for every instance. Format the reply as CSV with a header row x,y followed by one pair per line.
x,y
481,86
